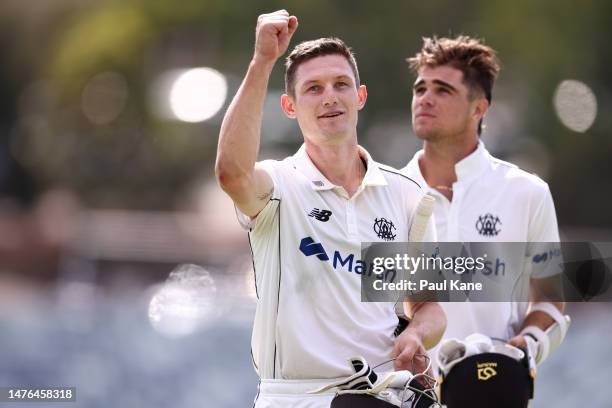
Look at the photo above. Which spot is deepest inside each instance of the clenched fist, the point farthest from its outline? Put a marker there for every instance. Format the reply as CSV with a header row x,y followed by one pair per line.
x,y
272,35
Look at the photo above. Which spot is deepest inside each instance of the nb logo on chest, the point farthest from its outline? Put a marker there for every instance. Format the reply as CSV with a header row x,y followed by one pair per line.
x,y
320,215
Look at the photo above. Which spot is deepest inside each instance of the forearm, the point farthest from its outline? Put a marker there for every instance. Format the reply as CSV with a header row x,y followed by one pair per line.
x,y
427,321
541,319
241,128
545,290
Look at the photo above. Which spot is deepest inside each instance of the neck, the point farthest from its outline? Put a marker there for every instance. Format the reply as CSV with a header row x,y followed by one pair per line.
x,y
340,164
438,162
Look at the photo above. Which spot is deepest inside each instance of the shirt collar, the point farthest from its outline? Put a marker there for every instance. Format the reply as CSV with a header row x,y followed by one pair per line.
x,y
473,164
467,168
414,170
303,163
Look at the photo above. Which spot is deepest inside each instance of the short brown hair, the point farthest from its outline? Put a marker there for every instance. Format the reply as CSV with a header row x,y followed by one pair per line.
x,y
478,62
308,50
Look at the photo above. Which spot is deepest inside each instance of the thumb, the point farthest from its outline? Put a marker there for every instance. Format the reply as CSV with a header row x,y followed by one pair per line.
x,y
517,341
292,25
396,349
284,32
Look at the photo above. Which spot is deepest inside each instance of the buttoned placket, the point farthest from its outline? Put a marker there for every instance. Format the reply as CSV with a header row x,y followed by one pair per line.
x,y
454,209
352,228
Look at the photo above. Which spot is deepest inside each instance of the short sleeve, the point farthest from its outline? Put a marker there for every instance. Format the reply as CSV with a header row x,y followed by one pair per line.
x,y
543,221
267,213
543,248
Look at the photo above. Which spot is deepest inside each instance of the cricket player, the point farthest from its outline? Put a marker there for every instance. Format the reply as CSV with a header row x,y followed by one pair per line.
x,y
480,198
307,216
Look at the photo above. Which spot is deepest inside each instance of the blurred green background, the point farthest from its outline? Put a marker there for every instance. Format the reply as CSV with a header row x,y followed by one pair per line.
x,y
104,189
132,158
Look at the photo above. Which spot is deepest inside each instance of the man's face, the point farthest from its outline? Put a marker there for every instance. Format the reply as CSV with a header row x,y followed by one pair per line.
x,y
326,98
441,105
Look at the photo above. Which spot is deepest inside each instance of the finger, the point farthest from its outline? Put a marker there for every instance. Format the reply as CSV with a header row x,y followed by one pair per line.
x,y
263,23
271,18
421,364
284,30
518,341
293,24
396,350
275,14
404,360
401,363
276,20
279,26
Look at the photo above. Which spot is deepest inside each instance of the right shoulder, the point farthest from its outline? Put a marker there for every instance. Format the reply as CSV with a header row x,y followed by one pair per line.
x,y
277,168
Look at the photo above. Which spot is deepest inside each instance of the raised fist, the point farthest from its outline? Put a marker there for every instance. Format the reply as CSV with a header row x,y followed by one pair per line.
x,y
273,33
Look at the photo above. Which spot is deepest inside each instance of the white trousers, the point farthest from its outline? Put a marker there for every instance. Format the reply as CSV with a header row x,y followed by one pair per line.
x,y
293,394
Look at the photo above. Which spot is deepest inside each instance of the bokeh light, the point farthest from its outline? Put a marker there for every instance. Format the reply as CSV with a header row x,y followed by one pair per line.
x,y
185,302
575,104
104,97
198,94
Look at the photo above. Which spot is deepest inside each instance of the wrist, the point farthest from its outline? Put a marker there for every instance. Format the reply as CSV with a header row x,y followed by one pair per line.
x,y
264,64
415,333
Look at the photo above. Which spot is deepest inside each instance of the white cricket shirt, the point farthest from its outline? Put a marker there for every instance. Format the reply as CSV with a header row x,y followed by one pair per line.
x,y
306,247
493,201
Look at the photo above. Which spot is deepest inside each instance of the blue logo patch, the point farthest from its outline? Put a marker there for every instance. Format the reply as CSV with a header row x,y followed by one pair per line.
x,y
309,248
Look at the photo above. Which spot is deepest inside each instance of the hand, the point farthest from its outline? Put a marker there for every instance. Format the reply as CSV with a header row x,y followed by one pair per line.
x,y
410,353
518,341
272,35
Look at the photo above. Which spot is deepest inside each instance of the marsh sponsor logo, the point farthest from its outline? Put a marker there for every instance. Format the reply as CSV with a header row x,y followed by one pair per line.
x,y
310,248
546,256
348,262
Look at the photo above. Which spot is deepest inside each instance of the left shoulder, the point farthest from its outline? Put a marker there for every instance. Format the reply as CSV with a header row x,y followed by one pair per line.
x,y
513,174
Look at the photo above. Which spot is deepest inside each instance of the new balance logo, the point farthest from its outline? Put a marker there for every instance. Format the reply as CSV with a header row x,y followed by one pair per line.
x,y
309,248
321,215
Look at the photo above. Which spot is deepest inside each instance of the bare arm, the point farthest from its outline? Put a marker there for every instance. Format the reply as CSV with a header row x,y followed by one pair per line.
x,y
249,186
542,290
427,325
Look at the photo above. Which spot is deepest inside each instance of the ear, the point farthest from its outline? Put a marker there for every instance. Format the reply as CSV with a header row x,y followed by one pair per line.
x,y
288,106
362,93
481,108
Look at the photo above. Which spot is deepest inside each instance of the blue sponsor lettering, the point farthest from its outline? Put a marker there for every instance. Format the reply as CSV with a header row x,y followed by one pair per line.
x,y
311,248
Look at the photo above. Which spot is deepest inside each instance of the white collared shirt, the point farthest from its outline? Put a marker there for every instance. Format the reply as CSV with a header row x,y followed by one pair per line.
x,y
306,246
493,201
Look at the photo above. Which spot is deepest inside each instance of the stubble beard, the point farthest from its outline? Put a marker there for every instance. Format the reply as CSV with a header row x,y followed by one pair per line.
x,y
441,136
431,135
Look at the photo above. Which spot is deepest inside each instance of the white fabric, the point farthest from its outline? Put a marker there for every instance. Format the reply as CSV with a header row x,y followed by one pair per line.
x,y
553,312
309,316
546,341
524,207
299,393
453,351
387,386
275,393
361,382
541,346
